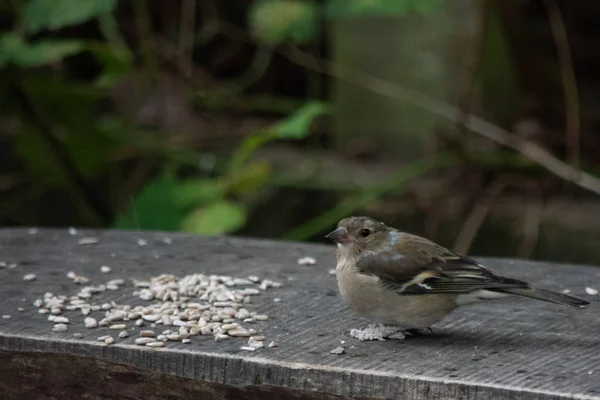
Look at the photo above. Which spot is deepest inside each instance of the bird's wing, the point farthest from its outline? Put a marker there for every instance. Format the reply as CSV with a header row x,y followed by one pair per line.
x,y
418,266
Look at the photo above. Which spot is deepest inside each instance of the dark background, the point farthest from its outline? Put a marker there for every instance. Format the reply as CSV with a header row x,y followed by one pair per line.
x,y
277,118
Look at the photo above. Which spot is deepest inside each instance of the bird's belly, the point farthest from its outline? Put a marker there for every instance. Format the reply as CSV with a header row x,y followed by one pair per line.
x,y
364,295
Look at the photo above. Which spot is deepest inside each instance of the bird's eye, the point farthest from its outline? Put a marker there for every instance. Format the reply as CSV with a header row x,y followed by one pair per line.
x,y
365,232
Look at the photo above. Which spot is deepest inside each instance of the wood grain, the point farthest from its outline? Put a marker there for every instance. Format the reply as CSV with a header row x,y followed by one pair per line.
x,y
510,349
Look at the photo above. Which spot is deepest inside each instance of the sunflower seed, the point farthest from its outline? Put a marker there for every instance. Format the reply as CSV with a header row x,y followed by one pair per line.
x,y
60,328
123,334
29,277
155,344
88,240
118,327
144,340
147,333
105,269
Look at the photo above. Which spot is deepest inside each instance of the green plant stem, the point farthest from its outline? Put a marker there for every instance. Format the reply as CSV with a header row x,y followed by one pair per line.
x,y
393,182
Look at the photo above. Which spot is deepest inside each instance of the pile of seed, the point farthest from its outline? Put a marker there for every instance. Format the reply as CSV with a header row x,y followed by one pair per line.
x,y
196,304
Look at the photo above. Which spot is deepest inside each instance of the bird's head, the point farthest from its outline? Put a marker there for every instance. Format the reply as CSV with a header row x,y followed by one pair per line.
x,y
362,233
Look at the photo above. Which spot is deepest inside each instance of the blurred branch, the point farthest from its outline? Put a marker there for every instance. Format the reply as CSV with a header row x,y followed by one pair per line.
x,y
393,182
483,205
573,134
475,124
187,26
144,31
452,113
474,55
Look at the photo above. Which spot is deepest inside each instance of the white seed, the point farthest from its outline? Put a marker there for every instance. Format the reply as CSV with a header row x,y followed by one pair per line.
x,y
273,344
566,291
90,322
239,332
61,320
109,340
38,303
123,334
142,242
72,231
162,338
29,277
591,291
331,271
276,300
253,278
230,326
252,331
6,316
174,337
205,330
258,338
60,328
219,337
261,317
248,348
77,335
156,344
306,261
105,269
139,322
151,317
144,340
118,327
21,309
88,240
186,341
338,350
147,333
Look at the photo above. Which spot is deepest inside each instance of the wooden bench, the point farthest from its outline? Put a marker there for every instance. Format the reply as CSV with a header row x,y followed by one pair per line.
x,y
513,349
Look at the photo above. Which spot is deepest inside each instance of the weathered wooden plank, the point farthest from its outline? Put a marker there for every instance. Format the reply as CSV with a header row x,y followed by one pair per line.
x,y
514,349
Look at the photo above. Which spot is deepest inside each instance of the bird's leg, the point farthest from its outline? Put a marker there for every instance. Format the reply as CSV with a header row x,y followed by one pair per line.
x,y
377,332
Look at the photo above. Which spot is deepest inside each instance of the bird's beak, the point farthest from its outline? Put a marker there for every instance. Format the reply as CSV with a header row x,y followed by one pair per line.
x,y
340,235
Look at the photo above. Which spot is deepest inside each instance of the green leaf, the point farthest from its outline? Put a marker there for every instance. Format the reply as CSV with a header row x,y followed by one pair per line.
x,y
154,208
116,62
56,14
360,8
164,203
275,21
297,125
215,219
193,192
14,50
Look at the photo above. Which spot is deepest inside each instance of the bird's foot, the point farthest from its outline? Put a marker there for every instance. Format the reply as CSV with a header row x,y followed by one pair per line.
x,y
377,332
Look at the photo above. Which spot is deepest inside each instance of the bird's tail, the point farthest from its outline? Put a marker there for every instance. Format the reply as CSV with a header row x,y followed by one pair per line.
x,y
547,295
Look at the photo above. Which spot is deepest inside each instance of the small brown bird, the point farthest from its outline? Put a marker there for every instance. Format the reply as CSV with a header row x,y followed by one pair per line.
x,y
406,283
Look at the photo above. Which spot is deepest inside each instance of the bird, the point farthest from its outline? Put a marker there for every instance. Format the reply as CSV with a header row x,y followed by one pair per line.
x,y
404,283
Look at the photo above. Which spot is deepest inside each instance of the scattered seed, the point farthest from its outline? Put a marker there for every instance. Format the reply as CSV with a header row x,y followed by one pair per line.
x,y
21,309
186,341
60,328
77,335
6,316
105,269
338,350
566,291
103,338
591,291
273,344
156,344
109,340
142,242
261,317
238,332
147,333
72,231
123,334
88,240
61,320
118,327
29,277
144,340
248,348
90,322
306,261
332,271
